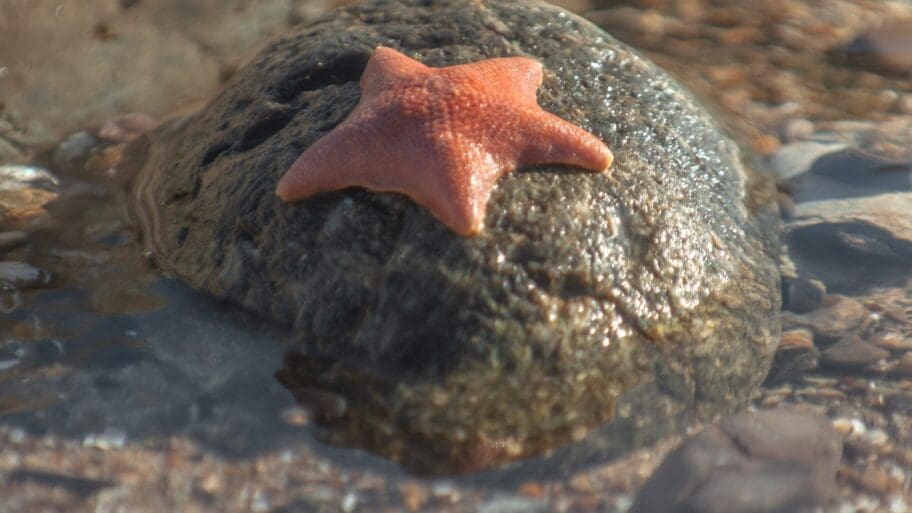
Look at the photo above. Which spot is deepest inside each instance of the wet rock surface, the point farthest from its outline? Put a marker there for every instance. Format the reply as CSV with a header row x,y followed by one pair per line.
x,y
647,295
782,461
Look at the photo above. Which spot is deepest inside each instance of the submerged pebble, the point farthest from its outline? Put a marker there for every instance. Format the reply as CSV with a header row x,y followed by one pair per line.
x,y
852,353
774,461
23,275
10,298
885,49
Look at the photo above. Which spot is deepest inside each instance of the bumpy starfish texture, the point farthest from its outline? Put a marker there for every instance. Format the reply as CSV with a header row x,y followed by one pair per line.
x,y
442,136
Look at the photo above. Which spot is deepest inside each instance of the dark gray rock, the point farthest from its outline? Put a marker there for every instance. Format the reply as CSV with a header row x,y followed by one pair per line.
x,y
647,295
764,462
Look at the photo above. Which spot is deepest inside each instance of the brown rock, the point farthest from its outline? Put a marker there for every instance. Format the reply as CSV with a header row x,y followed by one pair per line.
x,y
852,353
837,317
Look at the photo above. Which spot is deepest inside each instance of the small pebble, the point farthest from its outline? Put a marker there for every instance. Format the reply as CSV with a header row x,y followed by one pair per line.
x,y
414,496
296,416
898,505
126,127
875,438
797,129
886,50
904,367
23,275
796,339
873,479
349,502
17,178
837,317
213,483
508,504
10,240
843,426
74,148
10,298
259,503
16,436
581,483
852,353
892,341
110,438
904,104
802,296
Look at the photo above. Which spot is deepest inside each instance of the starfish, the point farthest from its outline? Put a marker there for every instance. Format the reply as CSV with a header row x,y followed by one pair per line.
x,y
442,136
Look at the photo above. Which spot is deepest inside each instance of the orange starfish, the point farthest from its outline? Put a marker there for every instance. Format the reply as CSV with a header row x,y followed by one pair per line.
x,y
442,136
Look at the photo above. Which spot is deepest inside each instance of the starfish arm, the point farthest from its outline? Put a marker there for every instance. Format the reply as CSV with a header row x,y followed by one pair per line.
x,y
345,157
548,139
518,78
456,188
387,68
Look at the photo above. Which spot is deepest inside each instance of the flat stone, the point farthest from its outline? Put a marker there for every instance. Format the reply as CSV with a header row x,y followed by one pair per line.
x,y
852,353
495,347
769,461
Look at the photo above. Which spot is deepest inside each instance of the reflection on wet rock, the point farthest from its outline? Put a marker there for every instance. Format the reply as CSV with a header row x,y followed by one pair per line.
x,y
646,296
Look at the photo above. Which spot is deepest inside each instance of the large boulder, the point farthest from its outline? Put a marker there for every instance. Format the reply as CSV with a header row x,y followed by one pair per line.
x,y
647,296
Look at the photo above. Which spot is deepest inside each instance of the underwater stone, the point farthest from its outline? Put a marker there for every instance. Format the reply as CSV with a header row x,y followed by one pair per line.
x,y
646,296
